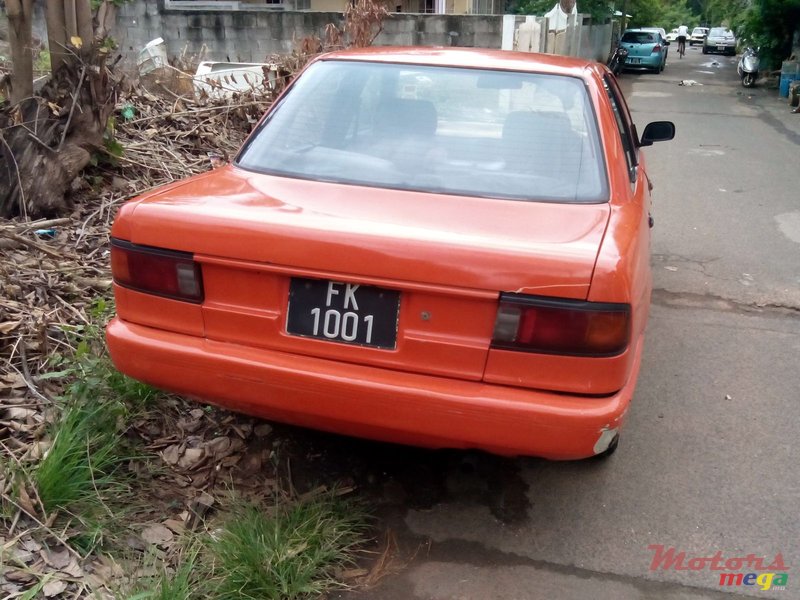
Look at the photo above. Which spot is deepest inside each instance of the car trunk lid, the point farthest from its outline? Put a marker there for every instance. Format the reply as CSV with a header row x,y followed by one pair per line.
x,y
447,257
641,48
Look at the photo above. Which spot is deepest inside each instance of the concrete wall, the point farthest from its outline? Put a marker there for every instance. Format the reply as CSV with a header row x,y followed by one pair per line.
x,y
246,35
581,38
596,42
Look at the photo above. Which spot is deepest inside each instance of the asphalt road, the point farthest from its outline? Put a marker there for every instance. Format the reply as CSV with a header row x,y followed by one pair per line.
x,y
708,461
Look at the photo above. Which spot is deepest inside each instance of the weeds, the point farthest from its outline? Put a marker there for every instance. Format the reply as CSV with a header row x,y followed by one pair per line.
x,y
77,469
184,583
41,63
287,552
87,443
291,552
87,448
89,370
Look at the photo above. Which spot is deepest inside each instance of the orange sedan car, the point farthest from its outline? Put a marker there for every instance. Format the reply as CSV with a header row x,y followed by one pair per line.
x,y
437,247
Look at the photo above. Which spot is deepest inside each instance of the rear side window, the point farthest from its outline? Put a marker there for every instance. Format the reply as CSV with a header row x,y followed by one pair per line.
x,y
624,126
639,37
465,131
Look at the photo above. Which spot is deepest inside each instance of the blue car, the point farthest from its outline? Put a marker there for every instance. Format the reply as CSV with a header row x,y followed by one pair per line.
x,y
647,49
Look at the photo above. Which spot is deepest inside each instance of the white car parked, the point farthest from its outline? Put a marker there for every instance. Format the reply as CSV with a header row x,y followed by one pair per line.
x,y
660,30
698,35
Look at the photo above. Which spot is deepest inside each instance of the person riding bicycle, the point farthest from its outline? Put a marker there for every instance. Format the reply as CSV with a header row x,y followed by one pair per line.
x,y
683,33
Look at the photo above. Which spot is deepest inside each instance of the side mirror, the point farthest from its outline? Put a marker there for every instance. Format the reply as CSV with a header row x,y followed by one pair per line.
x,y
657,131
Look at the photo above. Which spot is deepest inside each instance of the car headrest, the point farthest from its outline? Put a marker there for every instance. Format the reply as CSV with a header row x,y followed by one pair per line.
x,y
405,116
535,125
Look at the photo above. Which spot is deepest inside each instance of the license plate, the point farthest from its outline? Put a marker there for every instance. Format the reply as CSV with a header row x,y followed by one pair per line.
x,y
634,61
343,312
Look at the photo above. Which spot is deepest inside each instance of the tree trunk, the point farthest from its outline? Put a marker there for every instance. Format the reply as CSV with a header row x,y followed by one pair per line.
x,y
20,19
83,17
106,16
41,153
56,34
70,18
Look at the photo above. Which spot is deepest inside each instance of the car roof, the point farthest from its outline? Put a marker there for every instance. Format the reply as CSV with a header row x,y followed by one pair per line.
x,y
468,57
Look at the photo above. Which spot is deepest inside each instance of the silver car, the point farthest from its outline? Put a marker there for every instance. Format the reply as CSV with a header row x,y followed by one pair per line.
x,y
720,39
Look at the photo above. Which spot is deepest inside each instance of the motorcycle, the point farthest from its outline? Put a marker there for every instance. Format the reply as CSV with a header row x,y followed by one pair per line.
x,y
748,67
617,61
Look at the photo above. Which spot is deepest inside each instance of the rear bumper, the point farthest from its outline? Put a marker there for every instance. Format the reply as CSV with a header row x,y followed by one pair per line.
x,y
645,62
371,402
723,47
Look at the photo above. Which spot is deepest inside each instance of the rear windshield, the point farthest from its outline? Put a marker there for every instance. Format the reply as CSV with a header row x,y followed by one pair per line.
x,y
638,37
719,32
459,131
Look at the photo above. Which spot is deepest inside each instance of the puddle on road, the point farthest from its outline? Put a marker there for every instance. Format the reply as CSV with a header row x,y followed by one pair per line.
x,y
651,94
706,152
789,225
396,478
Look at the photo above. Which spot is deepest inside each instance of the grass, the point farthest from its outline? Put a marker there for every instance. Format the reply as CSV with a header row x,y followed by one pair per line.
x,y
87,449
7,509
88,445
184,583
288,554
89,368
82,471
41,63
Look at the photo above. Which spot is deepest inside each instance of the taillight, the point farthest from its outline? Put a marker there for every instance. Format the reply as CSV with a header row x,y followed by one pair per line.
x,y
156,271
561,326
656,48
